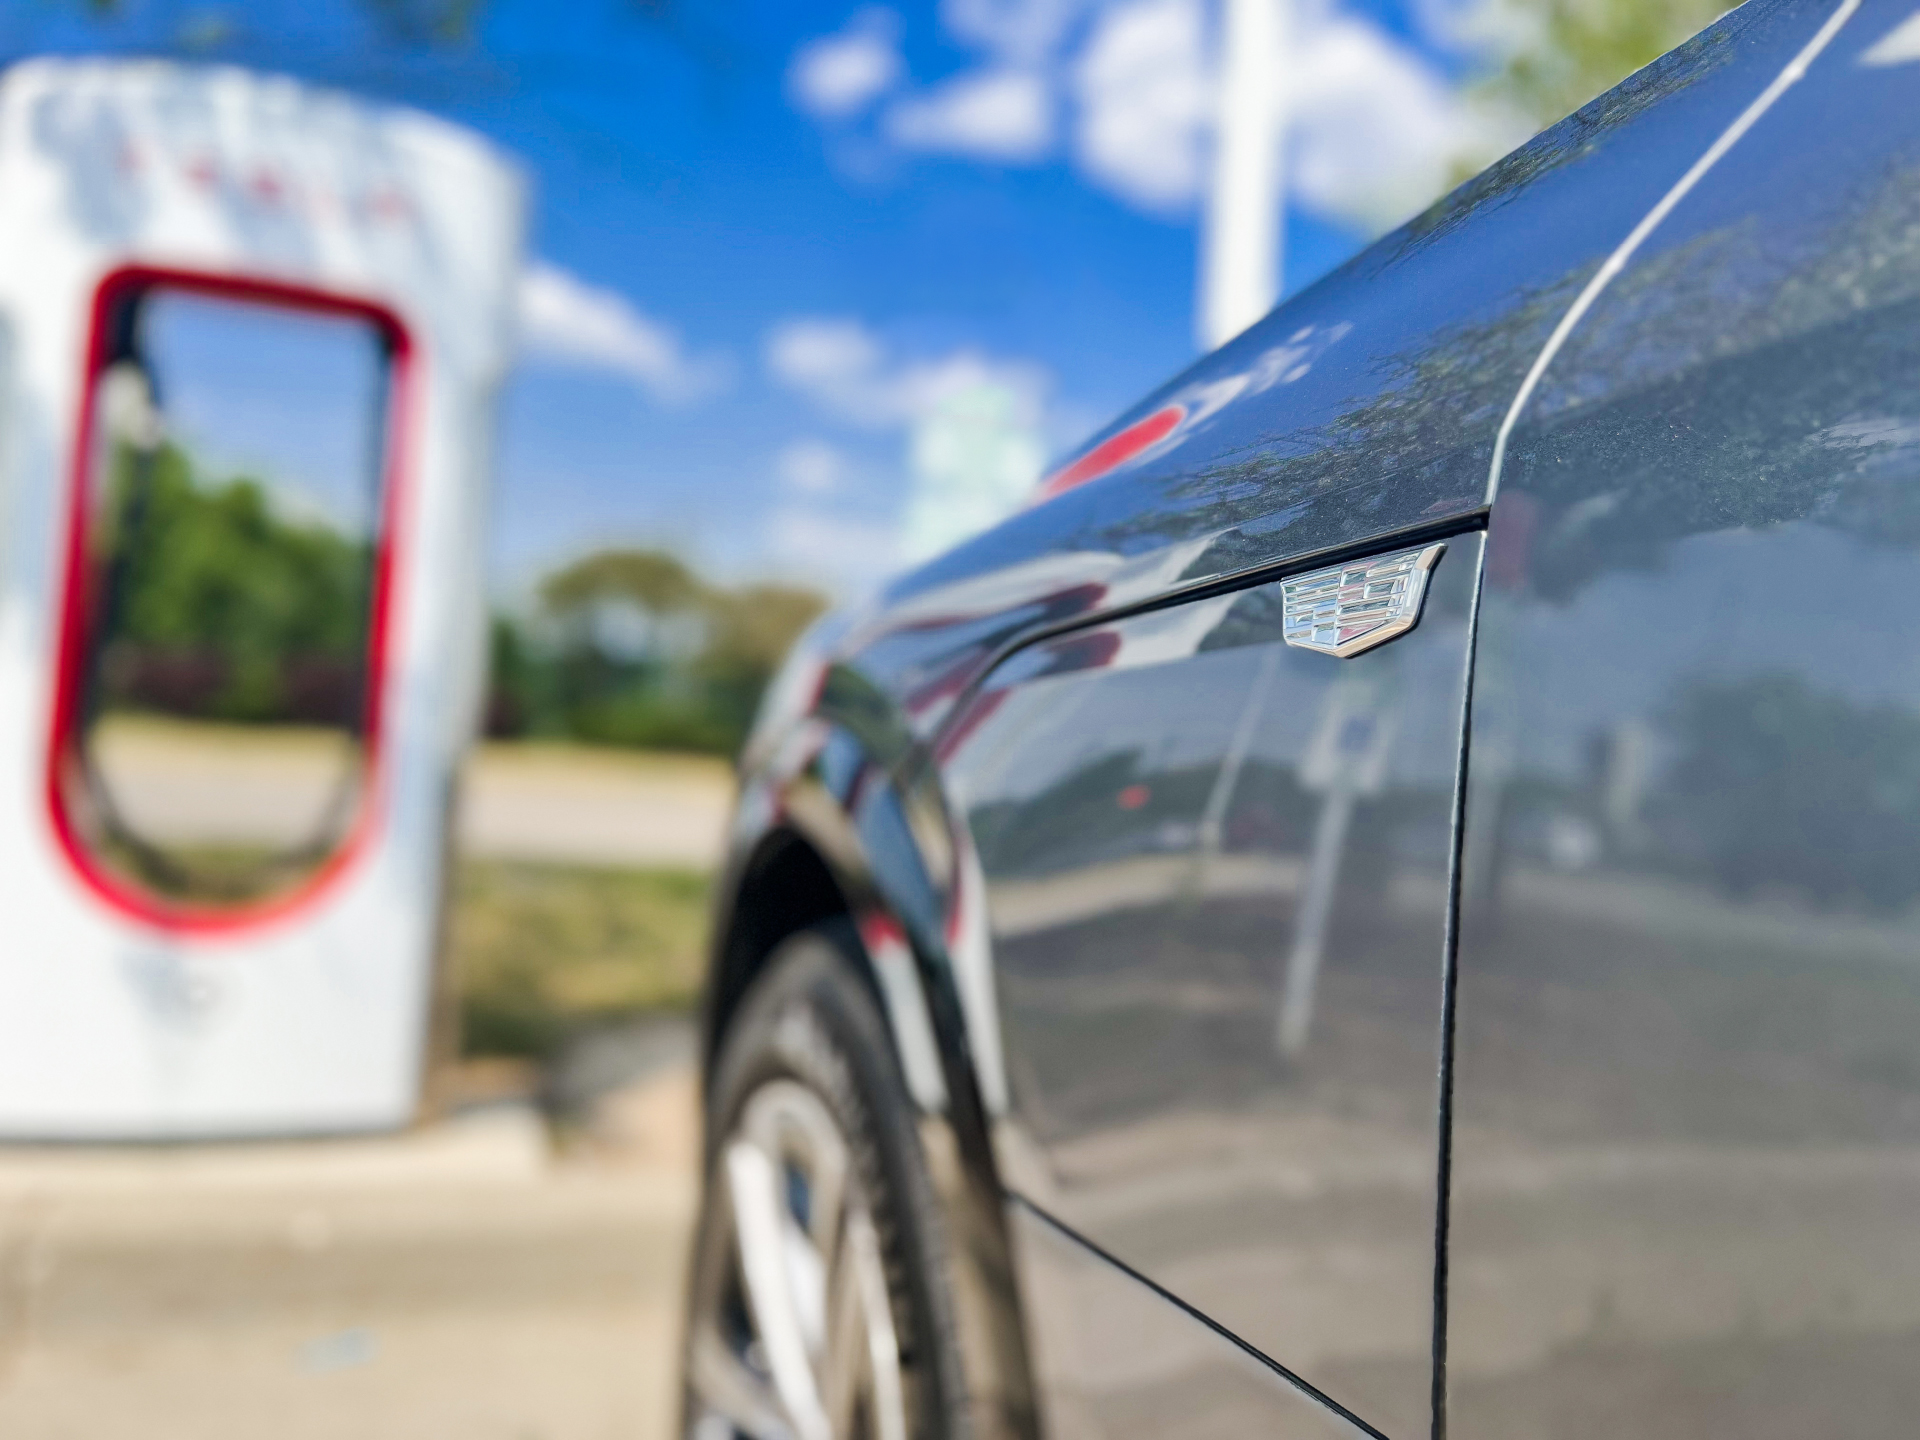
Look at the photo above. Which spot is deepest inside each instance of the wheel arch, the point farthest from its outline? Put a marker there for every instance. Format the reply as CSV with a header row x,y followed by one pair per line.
x,y
783,886
810,868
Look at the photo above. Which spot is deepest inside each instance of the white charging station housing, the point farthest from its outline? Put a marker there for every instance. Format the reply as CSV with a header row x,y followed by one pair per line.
x,y
125,1018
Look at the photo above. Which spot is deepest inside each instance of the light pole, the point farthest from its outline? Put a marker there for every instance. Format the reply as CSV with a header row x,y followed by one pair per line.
x,y
1243,231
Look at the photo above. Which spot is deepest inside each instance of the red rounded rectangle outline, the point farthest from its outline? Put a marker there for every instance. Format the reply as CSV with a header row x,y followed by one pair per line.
x,y
120,287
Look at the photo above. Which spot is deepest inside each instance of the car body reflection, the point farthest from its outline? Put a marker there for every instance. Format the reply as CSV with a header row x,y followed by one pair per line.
x,y
1216,875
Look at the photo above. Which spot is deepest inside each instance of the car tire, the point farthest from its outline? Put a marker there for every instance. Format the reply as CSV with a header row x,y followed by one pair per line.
x,y
818,1303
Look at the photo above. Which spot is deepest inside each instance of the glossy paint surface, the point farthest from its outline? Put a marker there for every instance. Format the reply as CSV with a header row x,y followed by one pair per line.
x,y
1116,1360
1686,1113
1687,1090
1216,872
1366,405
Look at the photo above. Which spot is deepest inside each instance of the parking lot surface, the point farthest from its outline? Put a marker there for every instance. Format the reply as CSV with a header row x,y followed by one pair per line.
x,y
486,1277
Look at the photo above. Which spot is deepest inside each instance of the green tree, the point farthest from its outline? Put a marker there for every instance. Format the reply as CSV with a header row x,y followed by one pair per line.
x,y
750,632
214,605
651,579
1562,53
696,689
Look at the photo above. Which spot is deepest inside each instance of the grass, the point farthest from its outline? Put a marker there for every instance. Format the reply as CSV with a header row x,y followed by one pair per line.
x,y
539,950
543,951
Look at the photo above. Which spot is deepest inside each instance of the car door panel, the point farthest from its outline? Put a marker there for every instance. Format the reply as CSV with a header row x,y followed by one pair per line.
x,y
1115,1359
1687,1089
1216,874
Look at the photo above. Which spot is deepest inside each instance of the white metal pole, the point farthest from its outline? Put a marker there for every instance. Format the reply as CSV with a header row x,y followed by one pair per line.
x,y
1242,234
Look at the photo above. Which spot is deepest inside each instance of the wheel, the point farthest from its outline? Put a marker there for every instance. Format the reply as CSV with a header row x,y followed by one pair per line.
x,y
818,1306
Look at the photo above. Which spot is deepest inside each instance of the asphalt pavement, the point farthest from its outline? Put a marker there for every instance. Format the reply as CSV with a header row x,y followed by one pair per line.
x,y
493,1275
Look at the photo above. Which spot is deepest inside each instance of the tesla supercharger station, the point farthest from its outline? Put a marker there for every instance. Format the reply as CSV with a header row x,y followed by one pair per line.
x,y
192,252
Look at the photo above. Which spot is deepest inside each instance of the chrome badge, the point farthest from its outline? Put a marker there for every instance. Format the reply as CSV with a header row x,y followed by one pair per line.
x,y
1351,608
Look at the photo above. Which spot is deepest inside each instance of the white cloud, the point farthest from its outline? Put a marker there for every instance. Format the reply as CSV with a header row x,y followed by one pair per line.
x,y
834,362
566,321
1019,32
812,467
1143,91
1899,46
839,75
842,367
1004,115
1002,111
975,458
973,427
849,553
1480,28
1376,130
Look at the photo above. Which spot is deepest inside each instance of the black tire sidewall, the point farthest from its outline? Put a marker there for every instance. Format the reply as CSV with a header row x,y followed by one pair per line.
x,y
812,1017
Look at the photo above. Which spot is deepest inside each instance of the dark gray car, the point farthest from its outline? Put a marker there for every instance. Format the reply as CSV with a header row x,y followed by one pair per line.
x,y
1386,903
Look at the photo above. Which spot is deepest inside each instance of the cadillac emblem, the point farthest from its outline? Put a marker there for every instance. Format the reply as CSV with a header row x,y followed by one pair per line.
x,y
1350,608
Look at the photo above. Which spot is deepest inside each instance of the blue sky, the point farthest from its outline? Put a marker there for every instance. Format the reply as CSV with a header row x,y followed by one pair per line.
x,y
311,386
772,238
